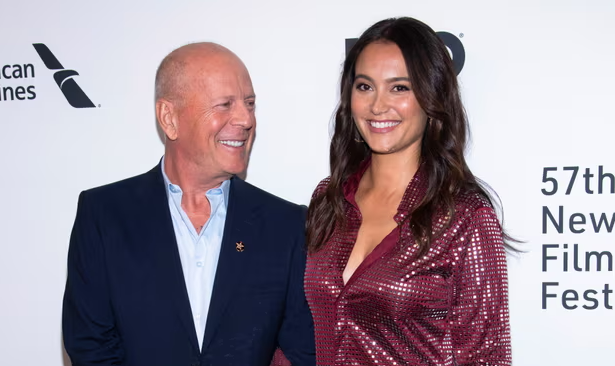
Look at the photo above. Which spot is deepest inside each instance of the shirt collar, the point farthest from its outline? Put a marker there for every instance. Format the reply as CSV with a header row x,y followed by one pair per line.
x,y
415,191
171,188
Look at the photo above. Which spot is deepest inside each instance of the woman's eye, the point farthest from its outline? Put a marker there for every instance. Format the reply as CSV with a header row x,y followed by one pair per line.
x,y
363,87
399,88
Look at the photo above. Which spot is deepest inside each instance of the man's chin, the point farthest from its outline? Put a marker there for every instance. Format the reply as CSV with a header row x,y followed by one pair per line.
x,y
242,175
239,170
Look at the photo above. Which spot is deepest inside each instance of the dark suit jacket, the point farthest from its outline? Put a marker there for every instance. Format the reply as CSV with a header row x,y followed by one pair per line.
x,y
126,301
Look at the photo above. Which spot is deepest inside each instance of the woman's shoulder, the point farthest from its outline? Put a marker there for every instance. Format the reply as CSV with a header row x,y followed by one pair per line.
x,y
469,202
321,187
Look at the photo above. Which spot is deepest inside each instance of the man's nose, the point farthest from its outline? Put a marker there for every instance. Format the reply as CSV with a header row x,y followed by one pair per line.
x,y
244,115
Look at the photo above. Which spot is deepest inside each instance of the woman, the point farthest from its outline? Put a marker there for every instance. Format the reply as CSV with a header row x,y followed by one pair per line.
x,y
406,258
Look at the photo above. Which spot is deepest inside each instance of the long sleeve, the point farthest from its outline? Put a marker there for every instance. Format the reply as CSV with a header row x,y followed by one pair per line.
x,y
90,335
479,316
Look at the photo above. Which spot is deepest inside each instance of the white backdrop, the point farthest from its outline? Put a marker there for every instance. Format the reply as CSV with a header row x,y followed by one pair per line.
x,y
537,84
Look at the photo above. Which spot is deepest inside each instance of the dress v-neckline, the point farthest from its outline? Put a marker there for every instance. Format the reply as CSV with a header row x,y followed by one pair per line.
x,y
414,191
387,243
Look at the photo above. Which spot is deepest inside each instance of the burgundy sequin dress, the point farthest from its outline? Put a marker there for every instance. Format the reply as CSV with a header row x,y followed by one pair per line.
x,y
449,307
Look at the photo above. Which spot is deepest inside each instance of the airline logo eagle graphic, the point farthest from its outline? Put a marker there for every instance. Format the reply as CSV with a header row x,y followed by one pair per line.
x,y
75,96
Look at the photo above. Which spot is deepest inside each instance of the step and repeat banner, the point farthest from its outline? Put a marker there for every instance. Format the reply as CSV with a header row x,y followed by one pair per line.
x,y
77,111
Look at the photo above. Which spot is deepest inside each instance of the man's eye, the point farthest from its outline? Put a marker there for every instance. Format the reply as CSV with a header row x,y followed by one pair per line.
x,y
225,105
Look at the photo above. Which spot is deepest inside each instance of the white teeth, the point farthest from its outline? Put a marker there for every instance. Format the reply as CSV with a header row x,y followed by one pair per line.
x,y
232,143
383,124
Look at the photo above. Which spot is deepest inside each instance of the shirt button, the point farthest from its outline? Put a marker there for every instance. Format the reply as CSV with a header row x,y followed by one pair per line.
x,y
199,264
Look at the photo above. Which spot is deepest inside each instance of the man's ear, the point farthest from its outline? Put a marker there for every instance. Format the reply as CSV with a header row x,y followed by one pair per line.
x,y
166,115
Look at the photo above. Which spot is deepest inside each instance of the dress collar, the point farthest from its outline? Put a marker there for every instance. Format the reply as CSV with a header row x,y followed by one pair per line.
x,y
415,191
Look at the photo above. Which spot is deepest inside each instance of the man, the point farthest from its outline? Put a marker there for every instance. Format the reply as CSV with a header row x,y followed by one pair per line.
x,y
188,265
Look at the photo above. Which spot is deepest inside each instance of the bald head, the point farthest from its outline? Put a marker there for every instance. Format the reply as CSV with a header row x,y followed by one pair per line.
x,y
205,106
177,68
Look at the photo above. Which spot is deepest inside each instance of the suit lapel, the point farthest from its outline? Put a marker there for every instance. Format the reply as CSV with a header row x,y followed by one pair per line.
x,y
169,274
240,226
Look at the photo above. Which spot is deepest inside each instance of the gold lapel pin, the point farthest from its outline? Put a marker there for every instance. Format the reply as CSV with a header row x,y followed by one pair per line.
x,y
239,246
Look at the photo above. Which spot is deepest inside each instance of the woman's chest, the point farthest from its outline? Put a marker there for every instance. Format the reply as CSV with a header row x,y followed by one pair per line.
x,y
392,282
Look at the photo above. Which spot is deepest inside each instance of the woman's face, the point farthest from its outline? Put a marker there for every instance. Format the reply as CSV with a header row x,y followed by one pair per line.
x,y
383,104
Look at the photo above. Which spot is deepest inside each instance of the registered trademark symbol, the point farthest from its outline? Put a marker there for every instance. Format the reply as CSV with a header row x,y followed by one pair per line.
x,y
460,35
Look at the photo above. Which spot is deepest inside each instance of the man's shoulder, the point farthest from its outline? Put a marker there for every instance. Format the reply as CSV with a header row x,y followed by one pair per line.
x,y
123,188
261,197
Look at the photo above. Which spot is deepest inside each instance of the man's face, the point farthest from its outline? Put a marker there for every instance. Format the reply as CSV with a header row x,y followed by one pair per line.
x,y
216,121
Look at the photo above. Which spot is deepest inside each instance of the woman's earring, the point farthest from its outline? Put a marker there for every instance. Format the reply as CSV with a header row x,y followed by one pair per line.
x,y
356,131
358,139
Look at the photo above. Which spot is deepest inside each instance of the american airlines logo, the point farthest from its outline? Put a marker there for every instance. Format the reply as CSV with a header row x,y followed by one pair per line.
x,y
75,96
458,53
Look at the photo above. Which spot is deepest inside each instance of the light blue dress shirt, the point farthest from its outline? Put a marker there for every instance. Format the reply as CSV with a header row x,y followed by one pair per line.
x,y
198,252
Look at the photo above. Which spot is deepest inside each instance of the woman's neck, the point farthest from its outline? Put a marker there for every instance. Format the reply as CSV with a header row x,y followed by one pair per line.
x,y
390,172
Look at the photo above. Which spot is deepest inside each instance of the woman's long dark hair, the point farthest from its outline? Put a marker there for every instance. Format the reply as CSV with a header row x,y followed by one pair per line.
x,y
434,81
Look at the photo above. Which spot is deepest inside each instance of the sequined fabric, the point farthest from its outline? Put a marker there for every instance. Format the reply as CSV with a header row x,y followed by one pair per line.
x,y
279,359
448,307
